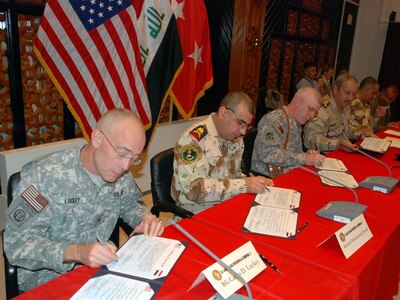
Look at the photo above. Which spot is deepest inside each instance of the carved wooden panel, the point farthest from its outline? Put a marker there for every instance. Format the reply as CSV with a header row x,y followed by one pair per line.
x,y
6,119
273,68
309,25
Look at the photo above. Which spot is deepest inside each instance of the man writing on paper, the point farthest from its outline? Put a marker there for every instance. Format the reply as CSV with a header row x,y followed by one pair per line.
x,y
358,113
381,104
208,156
278,145
68,199
328,131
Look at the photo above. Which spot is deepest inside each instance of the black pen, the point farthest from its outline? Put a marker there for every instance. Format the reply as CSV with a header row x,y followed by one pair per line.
x,y
269,263
394,167
301,227
103,244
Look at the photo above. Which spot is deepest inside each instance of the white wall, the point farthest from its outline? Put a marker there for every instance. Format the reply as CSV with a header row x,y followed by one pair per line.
x,y
370,36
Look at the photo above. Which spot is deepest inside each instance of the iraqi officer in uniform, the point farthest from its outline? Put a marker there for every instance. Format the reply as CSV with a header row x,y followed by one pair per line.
x,y
208,157
328,131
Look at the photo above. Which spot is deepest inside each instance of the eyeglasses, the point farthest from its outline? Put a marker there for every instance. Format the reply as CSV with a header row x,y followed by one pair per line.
x,y
242,124
121,156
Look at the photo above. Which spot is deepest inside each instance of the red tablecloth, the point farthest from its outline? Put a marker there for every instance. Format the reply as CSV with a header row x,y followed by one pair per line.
x,y
308,271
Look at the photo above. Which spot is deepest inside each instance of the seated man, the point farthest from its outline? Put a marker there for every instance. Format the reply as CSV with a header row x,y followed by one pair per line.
x,y
208,157
328,131
358,113
310,73
278,145
68,199
381,105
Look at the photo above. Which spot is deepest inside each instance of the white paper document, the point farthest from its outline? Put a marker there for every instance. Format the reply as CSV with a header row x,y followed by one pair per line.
x,y
147,257
394,142
392,132
111,287
341,177
375,144
332,164
245,261
143,263
279,198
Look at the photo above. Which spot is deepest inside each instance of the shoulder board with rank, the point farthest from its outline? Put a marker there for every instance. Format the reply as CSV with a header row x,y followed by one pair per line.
x,y
199,132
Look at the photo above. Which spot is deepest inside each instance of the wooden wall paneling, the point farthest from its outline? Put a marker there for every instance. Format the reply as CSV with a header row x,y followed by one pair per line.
x,y
246,46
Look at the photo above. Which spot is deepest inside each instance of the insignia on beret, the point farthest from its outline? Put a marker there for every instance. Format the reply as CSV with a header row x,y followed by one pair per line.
x,y
199,132
278,127
34,199
190,154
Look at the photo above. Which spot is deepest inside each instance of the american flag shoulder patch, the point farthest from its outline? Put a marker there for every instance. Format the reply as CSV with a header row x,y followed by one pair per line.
x,y
34,199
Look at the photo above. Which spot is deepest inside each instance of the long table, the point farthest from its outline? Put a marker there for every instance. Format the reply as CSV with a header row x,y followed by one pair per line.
x,y
308,271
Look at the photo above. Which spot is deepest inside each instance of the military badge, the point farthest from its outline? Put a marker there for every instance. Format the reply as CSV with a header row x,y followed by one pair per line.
x,y
269,136
325,102
277,126
190,154
199,132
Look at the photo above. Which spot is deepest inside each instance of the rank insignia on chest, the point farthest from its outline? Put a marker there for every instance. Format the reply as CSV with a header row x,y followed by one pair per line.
x,y
278,127
34,199
189,154
199,132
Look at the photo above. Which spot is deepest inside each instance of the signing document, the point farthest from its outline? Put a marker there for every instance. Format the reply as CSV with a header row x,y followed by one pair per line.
x,y
274,212
332,164
375,144
142,266
344,178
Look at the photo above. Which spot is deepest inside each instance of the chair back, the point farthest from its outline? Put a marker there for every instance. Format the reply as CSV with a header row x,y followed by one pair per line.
x,y
10,271
248,140
161,171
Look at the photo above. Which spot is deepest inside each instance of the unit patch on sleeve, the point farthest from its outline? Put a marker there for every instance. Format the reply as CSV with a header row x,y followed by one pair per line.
x,y
189,154
199,132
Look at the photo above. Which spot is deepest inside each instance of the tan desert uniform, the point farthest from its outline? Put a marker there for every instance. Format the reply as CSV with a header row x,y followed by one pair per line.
x,y
206,167
358,115
322,133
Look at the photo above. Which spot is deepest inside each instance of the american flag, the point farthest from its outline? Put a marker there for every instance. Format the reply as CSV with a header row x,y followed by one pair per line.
x,y
91,52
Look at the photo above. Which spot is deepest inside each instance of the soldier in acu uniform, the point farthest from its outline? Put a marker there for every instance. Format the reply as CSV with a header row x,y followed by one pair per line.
x,y
278,146
328,131
208,157
69,198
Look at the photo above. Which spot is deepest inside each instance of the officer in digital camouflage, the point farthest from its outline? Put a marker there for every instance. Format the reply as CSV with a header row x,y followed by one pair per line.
x,y
208,157
328,131
67,199
278,146
358,113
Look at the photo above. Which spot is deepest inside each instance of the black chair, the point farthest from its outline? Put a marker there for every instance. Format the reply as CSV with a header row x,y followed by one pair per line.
x,y
161,171
248,140
10,271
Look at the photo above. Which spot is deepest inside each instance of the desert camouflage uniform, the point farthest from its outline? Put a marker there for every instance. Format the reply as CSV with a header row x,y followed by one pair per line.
x,y
322,133
381,123
206,167
74,210
358,115
270,140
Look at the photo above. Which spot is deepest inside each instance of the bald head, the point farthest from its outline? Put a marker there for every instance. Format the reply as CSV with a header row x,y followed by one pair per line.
x,y
305,104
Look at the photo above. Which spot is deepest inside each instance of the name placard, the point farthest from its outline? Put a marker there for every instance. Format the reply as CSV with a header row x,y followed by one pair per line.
x,y
352,236
245,261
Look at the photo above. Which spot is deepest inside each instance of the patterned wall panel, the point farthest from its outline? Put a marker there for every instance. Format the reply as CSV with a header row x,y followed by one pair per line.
x,y
287,69
6,119
273,67
309,25
42,103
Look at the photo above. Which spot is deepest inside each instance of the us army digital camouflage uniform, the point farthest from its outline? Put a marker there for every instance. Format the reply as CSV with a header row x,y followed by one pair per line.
x,y
270,140
323,132
206,167
358,115
57,204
